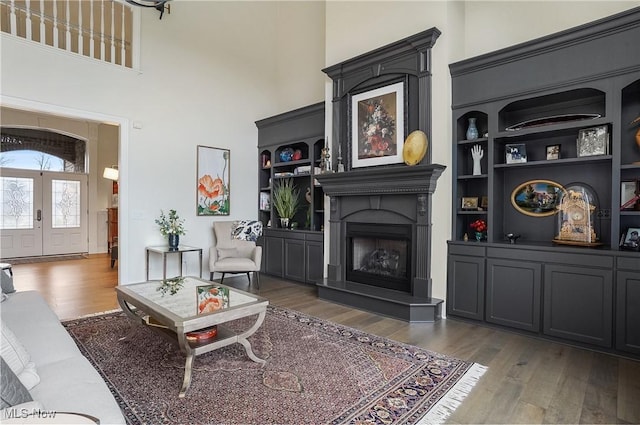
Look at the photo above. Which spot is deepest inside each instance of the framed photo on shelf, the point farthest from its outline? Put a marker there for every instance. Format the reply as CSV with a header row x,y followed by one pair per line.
x,y
629,194
515,153
553,152
484,203
212,185
593,141
630,239
537,198
469,203
377,126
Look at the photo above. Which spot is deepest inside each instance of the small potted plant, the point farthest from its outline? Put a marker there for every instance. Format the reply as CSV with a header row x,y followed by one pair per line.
x,y
171,226
286,200
480,228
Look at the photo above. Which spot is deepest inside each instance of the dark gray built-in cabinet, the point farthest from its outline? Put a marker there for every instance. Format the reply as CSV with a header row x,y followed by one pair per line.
x,y
294,254
584,77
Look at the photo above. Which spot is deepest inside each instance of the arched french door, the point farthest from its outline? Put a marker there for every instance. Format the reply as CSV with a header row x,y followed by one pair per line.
x,y
43,213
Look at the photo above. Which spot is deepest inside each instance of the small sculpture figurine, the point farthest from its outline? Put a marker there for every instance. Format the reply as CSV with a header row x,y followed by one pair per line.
x,y
325,163
477,153
512,237
340,166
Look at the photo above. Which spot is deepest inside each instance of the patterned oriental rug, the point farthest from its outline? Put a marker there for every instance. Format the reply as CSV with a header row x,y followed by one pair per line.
x,y
317,372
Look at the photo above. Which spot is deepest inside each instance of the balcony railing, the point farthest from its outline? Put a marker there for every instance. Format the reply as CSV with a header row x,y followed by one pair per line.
x,y
98,29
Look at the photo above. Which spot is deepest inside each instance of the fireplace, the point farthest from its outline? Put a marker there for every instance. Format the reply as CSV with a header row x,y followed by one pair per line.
x,y
380,240
379,255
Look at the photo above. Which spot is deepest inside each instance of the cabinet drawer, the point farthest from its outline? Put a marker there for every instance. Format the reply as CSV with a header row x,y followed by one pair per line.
x,y
552,256
470,248
629,263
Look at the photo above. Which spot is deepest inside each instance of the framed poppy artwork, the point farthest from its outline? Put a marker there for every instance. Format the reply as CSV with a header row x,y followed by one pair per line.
x,y
210,298
377,126
212,186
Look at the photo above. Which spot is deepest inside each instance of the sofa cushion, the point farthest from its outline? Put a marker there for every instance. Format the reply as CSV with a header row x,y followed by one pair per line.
x,y
73,385
17,358
12,390
6,282
68,382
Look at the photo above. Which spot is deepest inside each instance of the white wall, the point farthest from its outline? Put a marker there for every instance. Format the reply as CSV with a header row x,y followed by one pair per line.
x,y
468,29
208,71
492,25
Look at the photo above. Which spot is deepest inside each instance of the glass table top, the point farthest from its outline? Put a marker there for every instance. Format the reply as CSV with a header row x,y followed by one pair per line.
x,y
188,296
165,249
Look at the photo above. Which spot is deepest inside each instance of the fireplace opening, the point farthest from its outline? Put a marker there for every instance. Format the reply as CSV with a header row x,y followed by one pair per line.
x,y
379,255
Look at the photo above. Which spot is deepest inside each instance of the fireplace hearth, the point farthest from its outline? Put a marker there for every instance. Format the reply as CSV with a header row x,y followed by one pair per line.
x,y
380,239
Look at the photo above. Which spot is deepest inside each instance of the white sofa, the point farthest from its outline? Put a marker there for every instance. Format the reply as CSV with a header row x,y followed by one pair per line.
x,y
68,382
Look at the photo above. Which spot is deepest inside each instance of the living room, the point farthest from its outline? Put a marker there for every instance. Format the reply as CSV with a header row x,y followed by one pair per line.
x,y
168,109
209,70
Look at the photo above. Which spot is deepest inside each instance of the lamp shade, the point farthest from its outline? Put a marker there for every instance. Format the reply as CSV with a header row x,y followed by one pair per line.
x,y
111,173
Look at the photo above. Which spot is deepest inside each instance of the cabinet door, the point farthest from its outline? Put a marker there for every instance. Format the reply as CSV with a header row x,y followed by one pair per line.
x,y
274,256
294,261
513,293
578,304
628,318
315,261
465,286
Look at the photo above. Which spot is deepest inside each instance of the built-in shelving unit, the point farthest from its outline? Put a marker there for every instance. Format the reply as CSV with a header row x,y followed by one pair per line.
x,y
579,294
294,253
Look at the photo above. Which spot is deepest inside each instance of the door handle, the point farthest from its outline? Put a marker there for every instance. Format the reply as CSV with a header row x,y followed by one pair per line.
x,y
39,215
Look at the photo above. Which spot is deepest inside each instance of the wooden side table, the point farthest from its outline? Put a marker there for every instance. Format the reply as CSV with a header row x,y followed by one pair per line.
x,y
164,251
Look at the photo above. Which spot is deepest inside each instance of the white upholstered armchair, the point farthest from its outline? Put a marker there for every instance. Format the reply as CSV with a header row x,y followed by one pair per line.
x,y
232,252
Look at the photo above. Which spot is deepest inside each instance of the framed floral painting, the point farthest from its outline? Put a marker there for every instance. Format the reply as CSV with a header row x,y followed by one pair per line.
x,y
377,126
212,187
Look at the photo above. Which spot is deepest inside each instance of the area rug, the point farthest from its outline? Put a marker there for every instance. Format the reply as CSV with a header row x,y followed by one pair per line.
x,y
317,372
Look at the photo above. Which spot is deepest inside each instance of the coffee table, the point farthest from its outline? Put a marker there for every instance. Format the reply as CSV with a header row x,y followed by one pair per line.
x,y
174,313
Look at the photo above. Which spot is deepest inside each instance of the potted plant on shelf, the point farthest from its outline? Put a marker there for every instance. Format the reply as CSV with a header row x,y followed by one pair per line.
x,y
286,200
171,226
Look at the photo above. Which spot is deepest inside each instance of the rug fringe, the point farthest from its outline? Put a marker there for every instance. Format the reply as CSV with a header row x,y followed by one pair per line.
x,y
100,313
441,411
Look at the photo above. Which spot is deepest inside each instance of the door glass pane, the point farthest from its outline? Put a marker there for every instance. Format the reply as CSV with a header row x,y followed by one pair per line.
x,y
65,203
16,203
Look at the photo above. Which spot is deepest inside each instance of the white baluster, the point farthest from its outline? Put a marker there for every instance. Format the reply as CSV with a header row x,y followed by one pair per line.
x,y
55,23
102,46
67,41
43,29
92,41
80,29
29,34
113,30
122,35
13,21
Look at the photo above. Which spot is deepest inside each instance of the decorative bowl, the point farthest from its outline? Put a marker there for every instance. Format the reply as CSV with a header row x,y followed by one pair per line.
x,y
286,155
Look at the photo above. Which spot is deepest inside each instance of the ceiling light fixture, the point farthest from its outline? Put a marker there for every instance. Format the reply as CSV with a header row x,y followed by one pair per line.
x,y
159,5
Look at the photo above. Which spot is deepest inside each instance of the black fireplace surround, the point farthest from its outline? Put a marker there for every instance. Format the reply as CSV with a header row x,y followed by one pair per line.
x,y
382,203
385,195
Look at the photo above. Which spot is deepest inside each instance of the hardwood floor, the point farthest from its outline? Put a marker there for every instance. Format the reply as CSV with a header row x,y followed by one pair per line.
x,y
528,380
